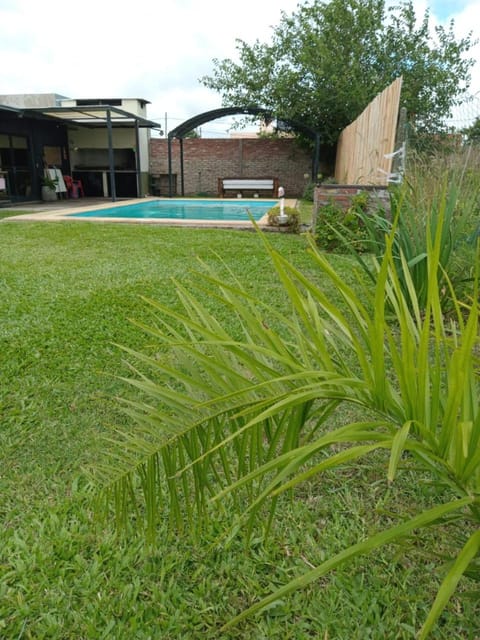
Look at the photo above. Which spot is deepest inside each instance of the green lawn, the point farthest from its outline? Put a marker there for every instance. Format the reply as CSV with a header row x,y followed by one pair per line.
x,y
67,292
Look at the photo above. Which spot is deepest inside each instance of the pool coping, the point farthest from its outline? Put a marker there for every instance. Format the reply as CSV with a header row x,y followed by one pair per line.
x,y
67,214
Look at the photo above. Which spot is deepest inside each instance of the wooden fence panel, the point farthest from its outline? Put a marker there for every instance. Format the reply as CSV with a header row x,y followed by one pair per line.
x,y
363,144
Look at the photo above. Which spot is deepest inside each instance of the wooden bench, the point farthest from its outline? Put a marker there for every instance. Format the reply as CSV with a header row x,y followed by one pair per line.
x,y
255,185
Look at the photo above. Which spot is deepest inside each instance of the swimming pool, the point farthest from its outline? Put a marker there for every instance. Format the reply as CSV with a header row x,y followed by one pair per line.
x,y
225,210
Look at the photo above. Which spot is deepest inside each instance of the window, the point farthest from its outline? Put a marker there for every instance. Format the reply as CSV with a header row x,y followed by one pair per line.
x,y
112,102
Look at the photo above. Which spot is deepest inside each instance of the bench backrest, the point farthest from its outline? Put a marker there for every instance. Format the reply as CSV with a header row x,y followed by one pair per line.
x,y
248,183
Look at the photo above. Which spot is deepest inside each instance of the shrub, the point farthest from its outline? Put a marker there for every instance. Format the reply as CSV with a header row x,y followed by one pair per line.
x,y
340,230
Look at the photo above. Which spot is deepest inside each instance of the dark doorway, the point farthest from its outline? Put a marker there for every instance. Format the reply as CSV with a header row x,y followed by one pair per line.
x,y
15,164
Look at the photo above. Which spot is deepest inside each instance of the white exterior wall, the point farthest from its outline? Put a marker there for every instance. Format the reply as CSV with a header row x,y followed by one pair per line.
x,y
30,100
144,144
83,138
136,106
121,138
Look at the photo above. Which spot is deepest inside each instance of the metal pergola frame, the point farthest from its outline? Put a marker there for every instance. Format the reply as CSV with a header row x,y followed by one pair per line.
x,y
99,117
192,123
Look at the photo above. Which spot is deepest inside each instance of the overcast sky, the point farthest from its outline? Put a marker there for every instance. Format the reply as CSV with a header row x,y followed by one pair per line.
x,y
151,50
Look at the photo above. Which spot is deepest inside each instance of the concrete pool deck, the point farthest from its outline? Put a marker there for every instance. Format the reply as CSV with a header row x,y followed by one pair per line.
x,y
63,210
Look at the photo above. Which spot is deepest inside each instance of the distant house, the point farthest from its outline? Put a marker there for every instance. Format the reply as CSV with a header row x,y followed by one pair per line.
x,y
103,142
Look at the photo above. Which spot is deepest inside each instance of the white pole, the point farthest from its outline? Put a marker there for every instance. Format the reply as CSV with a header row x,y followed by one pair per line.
x,y
281,194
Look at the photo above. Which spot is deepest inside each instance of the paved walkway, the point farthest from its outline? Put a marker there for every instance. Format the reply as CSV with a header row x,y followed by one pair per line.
x,y
68,204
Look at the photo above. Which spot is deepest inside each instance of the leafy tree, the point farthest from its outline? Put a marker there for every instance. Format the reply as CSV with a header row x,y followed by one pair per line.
x,y
326,62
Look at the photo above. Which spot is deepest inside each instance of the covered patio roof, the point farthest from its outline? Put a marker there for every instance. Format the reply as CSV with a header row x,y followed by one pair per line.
x,y
94,116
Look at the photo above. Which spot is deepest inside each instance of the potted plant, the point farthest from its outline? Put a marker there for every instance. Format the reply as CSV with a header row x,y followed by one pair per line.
x,y
49,188
287,218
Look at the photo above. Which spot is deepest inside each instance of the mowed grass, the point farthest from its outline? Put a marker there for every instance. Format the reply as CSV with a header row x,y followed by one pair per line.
x,y
67,292
8,213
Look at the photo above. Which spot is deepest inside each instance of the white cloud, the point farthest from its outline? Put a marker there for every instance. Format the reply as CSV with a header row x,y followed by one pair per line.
x,y
465,15
157,51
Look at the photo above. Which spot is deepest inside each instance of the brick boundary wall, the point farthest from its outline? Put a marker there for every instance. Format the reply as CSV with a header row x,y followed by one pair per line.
x,y
207,159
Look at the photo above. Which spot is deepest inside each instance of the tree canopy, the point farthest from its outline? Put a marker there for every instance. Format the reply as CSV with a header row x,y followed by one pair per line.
x,y
327,61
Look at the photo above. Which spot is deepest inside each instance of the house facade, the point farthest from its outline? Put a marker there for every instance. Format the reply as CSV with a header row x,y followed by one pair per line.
x,y
103,142
107,144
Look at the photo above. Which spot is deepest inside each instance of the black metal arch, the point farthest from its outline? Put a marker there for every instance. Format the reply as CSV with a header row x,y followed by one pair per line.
x,y
282,123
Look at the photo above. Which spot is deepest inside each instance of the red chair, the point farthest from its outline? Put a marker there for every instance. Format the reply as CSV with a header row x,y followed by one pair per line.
x,y
74,187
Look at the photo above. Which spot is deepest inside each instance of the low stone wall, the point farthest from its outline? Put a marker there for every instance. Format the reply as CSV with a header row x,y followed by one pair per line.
x,y
342,194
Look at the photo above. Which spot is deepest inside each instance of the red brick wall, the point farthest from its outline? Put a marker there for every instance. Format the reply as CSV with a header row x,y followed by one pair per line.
x,y
207,159
342,195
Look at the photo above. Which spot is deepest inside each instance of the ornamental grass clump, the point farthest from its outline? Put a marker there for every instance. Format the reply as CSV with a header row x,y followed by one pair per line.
x,y
230,419
440,188
411,230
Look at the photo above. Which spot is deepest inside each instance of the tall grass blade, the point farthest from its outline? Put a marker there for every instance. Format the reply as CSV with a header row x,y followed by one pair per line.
x,y
450,582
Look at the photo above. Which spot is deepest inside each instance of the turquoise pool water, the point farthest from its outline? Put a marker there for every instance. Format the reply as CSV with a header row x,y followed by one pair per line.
x,y
184,210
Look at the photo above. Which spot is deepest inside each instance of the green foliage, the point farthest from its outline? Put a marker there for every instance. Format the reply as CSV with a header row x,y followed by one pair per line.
x,y
194,133
327,61
242,417
293,218
49,182
62,577
433,143
412,231
342,230
439,187
308,192
329,218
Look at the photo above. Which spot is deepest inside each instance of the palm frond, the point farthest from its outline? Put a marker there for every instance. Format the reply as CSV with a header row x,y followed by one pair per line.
x,y
232,415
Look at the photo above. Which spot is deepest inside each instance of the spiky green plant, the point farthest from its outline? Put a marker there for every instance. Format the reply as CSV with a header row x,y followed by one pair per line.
x,y
442,188
236,418
413,229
